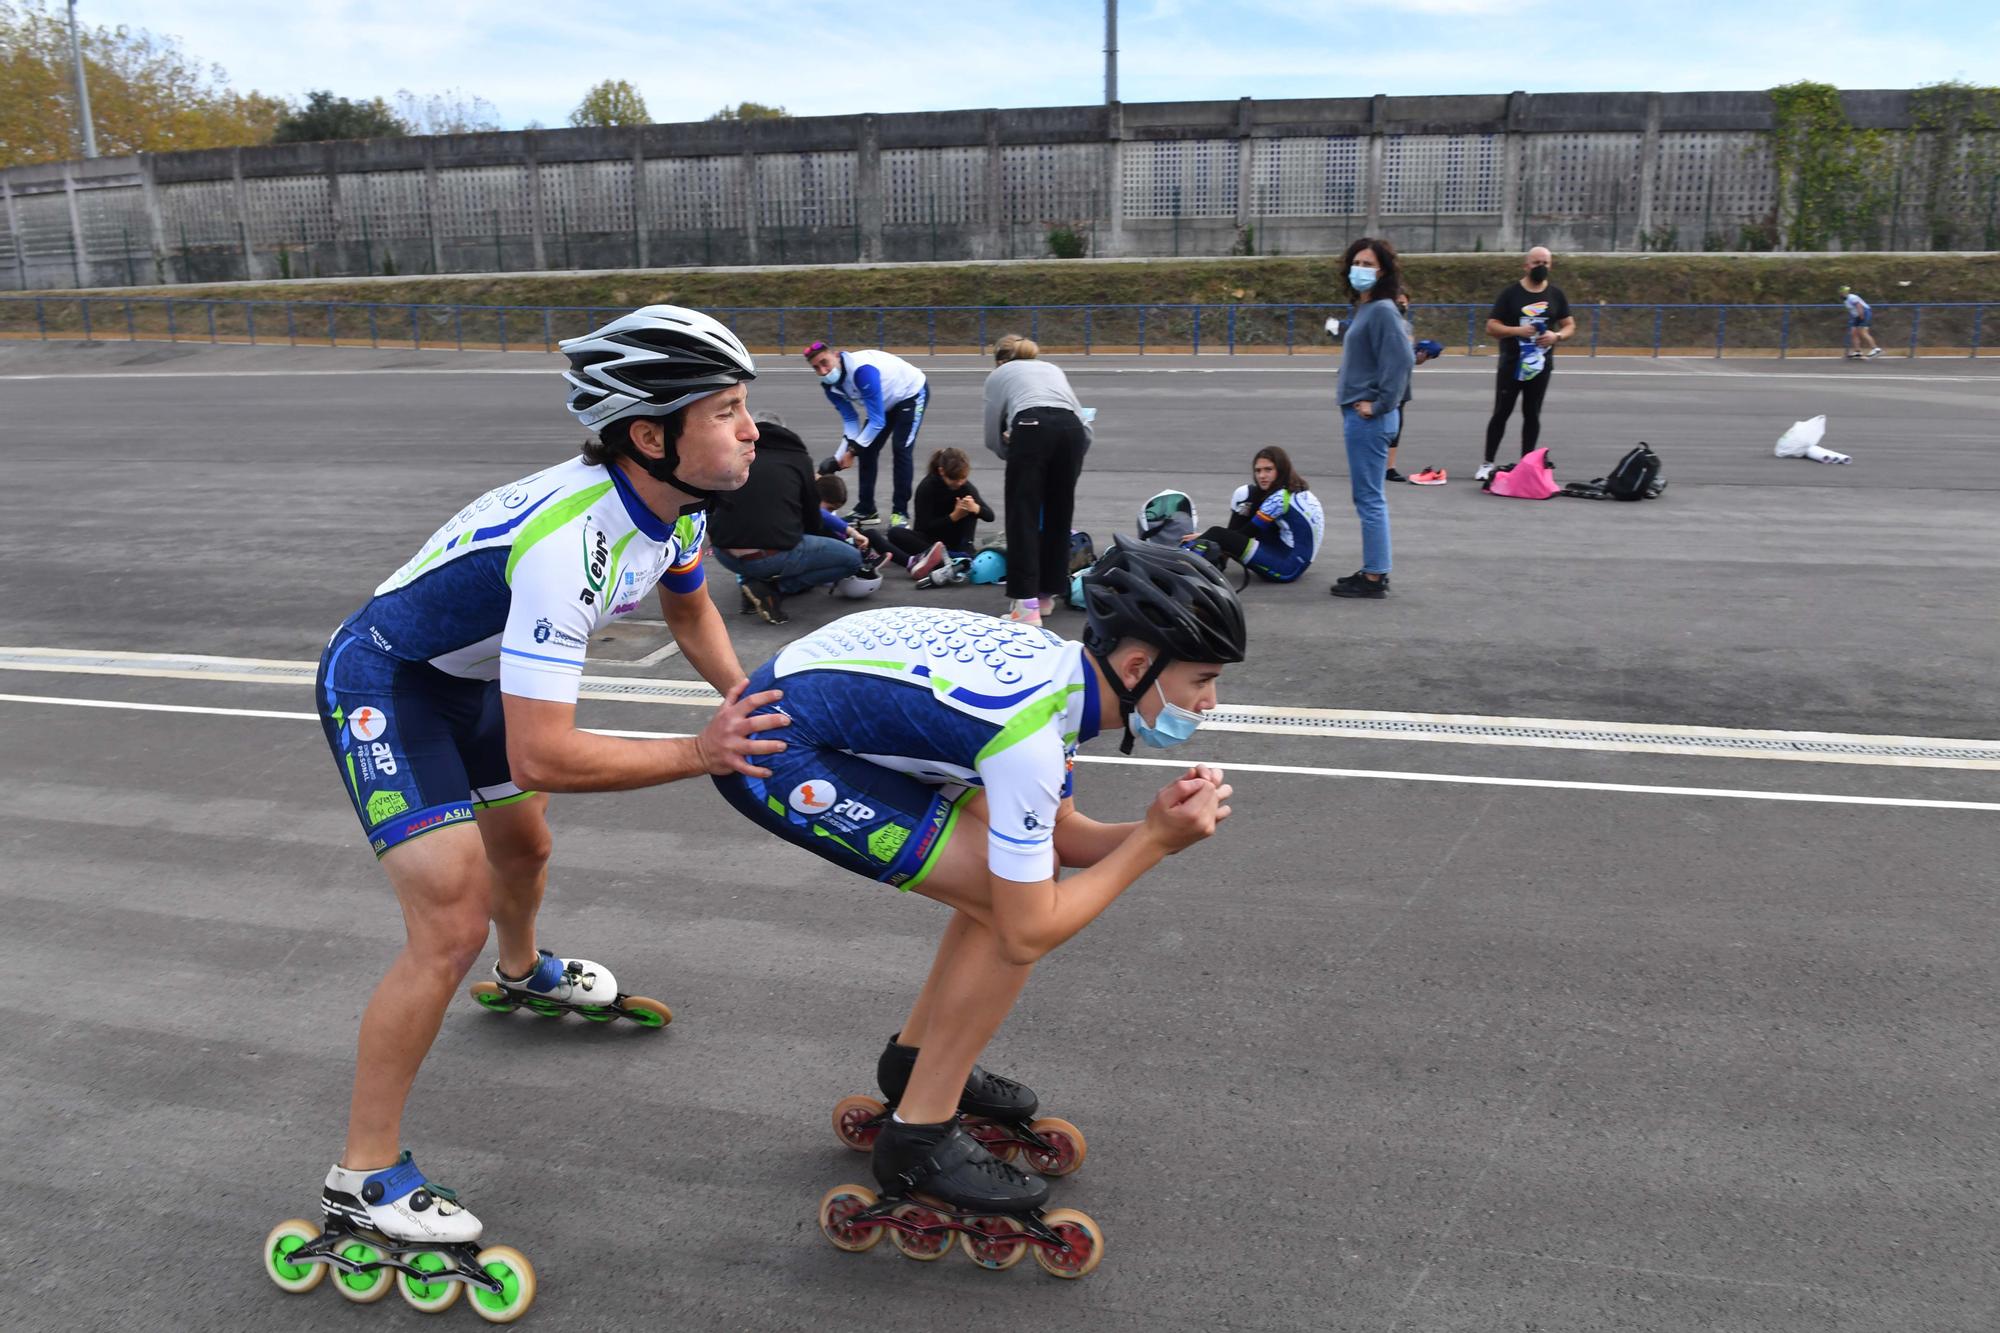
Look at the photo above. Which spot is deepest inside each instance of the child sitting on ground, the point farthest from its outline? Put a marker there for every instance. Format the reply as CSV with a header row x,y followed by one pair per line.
x,y
949,510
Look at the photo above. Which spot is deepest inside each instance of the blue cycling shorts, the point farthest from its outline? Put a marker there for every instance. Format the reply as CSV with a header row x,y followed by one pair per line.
x,y
417,749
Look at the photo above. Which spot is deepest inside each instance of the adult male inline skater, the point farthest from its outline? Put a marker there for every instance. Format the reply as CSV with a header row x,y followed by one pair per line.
x,y
881,400
449,702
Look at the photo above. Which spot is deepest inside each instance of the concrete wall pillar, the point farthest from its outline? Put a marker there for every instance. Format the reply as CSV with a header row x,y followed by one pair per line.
x,y
868,188
75,225
241,193
1649,166
532,154
1377,115
753,196
994,238
156,227
14,229
431,205
1114,174
642,202
1513,160
1246,156
336,213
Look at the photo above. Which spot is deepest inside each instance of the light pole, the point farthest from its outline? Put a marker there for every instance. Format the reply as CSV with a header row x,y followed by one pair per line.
x,y
1110,50
82,88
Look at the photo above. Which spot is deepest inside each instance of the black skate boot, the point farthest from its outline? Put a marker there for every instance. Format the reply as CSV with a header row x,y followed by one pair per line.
x,y
997,1111
938,1183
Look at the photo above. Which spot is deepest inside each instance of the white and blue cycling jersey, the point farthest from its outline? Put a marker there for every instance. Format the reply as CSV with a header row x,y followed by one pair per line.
x,y
871,383
896,713
513,587
1287,528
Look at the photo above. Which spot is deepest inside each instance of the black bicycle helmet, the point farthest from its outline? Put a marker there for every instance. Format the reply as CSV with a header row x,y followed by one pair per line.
x,y
1158,595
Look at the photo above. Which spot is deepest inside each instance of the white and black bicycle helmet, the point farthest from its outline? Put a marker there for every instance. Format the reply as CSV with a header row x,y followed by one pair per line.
x,y
1169,598
652,363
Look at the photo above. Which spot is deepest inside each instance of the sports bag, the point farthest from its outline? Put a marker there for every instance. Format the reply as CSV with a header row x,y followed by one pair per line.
x,y
1530,479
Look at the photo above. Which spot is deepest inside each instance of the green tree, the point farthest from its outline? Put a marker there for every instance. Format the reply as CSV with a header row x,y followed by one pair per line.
x,y
324,116
453,111
751,111
147,94
612,102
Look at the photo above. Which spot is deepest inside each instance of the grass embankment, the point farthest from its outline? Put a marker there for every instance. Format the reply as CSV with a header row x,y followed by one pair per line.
x,y
1031,289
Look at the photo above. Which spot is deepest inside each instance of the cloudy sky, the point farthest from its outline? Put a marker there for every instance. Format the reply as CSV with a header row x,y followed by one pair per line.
x,y
532,59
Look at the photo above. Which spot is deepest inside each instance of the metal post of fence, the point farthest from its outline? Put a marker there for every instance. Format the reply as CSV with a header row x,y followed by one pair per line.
x,y
781,333
1659,318
503,327
250,320
1784,332
1232,330
881,326
1596,314
1035,324
932,313
1291,313
374,329
84,302
173,336
1142,330
332,338
982,330
458,326
291,324
1087,312
1197,330
829,326
416,339
1916,323
131,326
548,329
1978,317
1721,329
210,307
41,319
1472,331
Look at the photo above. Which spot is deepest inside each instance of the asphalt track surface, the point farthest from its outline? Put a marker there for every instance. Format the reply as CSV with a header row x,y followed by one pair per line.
x,y
1411,1053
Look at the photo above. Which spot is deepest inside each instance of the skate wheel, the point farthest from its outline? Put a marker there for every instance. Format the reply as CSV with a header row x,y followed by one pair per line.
x,y
1065,1151
516,1276
646,1013
857,1121
837,1209
934,1242
546,1008
994,1242
286,1239
490,996
435,1292
362,1288
1083,1244
996,1139
599,1014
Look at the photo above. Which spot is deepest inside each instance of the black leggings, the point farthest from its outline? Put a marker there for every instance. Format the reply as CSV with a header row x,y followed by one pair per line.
x,y
1044,455
1530,393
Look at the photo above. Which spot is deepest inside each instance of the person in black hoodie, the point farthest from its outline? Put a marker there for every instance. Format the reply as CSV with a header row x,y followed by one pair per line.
x,y
949,510
770,533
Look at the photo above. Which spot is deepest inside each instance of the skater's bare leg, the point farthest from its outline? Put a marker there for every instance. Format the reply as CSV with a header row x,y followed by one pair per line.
x,y
517,848
444,884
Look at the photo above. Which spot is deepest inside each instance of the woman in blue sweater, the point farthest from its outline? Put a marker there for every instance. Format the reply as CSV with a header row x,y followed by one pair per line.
x,y
1375,365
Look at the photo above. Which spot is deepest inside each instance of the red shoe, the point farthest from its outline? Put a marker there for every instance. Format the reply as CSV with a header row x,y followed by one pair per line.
x,y
1430,476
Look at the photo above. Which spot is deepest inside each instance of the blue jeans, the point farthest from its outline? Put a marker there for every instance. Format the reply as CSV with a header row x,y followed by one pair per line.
x,y
900,425
813,563
1367,464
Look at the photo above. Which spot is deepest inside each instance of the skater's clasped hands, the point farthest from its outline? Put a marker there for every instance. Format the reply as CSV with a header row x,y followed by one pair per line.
x,y
1189,809
733,734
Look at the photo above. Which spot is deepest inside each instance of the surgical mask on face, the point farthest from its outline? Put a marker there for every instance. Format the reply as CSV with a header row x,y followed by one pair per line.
x,y
832,377
1539,273
1175,725
1361,279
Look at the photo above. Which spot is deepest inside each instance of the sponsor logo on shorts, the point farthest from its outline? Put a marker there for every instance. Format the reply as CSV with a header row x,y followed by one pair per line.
x,y
367,722
376,757
380,641
386,805
455,815
885,842
813,798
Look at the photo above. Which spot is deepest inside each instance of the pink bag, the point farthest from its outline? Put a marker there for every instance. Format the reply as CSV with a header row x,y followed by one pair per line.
x,y
1530,479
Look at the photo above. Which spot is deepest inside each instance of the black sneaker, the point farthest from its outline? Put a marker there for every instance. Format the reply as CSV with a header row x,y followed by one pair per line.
x,y
765,600
745,606
1393,475
1358,584
864,518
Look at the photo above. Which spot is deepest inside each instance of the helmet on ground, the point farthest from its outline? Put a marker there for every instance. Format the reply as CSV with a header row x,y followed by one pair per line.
x,y
856,586
651,363
989,566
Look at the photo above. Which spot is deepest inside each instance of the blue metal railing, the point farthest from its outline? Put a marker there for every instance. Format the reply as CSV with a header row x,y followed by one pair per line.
x,y
1220,328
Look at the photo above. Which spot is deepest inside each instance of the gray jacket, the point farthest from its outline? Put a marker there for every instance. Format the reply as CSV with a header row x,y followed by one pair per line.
x,y
1020,385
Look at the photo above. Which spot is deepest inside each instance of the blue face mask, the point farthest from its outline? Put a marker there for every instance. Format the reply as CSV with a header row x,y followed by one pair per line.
x,y
1361,279
1175,726
831,378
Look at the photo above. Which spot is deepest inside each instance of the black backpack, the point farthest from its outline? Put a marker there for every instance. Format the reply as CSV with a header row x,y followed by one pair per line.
x,y
1638,476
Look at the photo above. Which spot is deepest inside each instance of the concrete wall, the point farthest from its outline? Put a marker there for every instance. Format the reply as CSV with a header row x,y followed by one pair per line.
x,y
1596,171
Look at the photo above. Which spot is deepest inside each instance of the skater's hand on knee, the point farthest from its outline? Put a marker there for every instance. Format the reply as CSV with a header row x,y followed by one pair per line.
x,y
733,734
1187,811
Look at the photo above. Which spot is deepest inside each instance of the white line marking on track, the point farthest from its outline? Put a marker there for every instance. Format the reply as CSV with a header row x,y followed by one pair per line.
x,y
1296,723
1289,770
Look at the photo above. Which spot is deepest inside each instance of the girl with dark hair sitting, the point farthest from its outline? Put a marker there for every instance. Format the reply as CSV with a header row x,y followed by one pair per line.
x,y
1275,522
948,512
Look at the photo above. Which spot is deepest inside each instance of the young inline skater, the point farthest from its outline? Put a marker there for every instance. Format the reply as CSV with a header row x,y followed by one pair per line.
x,y
930,749
449,702
1276,521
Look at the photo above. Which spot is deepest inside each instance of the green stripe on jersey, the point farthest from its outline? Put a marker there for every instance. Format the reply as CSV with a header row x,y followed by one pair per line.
x,y
1027,722
550,520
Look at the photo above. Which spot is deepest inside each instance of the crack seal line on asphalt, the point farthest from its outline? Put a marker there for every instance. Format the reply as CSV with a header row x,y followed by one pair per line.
x,y
1294,770
1296,723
